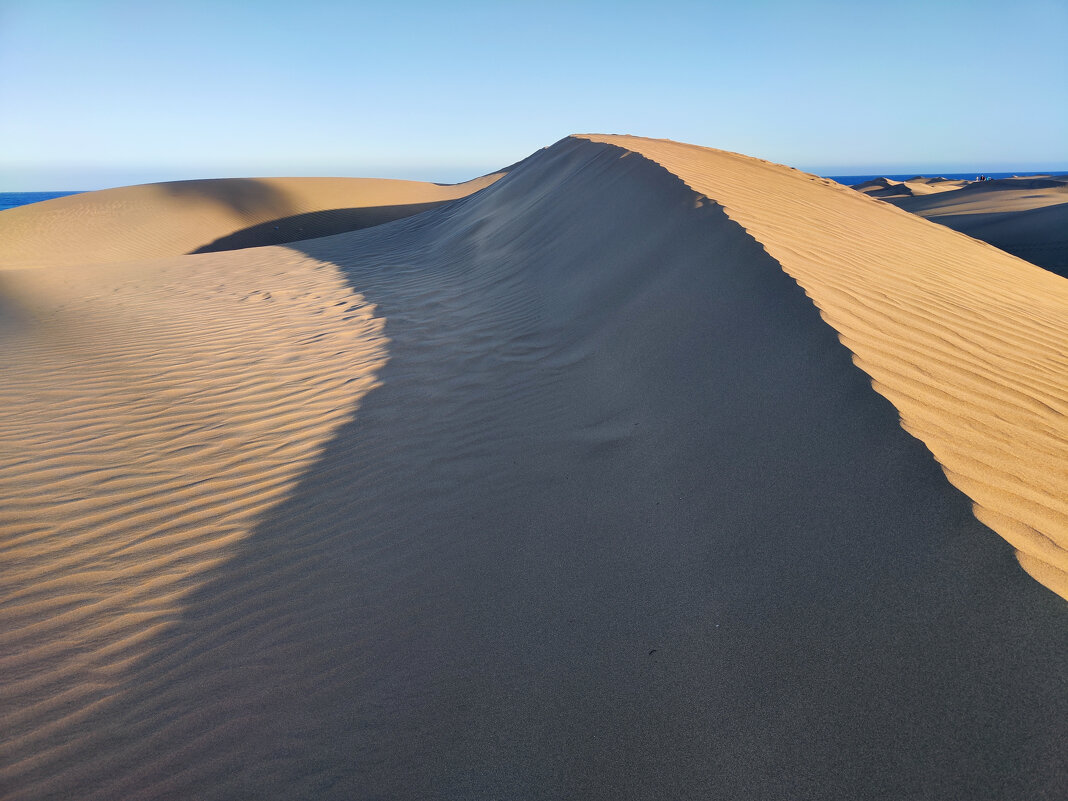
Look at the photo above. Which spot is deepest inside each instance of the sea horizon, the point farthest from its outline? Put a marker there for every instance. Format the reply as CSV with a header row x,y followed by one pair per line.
x,y
10,200
853,180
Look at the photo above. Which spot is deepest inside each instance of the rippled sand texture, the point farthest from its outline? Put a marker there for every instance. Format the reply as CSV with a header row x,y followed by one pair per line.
x,y
969,343
149,415
562,489
1027,216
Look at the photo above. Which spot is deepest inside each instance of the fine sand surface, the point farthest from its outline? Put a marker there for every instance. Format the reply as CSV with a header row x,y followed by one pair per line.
x,y
575,487
969,344
1027,216
169,219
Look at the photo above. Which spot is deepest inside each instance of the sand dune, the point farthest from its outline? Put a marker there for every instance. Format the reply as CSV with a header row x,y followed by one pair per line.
x,y
888,188
170,219
562,489
967,343
1027,217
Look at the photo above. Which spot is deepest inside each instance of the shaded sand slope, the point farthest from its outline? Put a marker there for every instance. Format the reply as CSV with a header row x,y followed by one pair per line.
x,y
1027,217
620,519
168,219
969,343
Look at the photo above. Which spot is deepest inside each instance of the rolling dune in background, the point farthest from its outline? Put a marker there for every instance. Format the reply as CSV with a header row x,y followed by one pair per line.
x,y
150,221
1025,216
573,487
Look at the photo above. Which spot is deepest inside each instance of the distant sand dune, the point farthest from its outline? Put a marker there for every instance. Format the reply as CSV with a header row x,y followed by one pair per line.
x,y
887,188
562,489
1027,217
169,219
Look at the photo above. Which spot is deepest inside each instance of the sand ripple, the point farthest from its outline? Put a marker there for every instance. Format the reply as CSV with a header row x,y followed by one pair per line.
x,y
621,517
149,416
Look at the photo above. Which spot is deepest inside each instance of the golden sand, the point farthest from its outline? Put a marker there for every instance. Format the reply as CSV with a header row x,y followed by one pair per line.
x,y
559,488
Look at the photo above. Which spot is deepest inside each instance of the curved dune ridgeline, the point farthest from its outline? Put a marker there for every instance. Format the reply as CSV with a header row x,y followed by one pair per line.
x,y
969,343
150,221
562,489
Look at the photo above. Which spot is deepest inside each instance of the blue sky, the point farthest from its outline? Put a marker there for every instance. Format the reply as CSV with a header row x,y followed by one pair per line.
x,y
98,93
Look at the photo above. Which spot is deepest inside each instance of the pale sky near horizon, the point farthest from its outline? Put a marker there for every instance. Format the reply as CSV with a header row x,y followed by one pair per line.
x,y
104,93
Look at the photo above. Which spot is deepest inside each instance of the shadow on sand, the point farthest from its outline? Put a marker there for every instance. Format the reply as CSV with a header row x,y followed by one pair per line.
x,y
623,520
314,224
242,195
1039,236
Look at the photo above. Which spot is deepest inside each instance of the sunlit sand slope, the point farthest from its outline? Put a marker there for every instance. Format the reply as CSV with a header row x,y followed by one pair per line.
x,y
560,490
169,219
1027,217
149,415
969,343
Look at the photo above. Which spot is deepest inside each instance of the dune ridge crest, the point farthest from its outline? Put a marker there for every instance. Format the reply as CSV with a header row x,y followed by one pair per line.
x,y
1025,216
150,221
968,342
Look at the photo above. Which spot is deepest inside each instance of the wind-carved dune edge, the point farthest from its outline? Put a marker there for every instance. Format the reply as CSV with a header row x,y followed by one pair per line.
x,y
969,343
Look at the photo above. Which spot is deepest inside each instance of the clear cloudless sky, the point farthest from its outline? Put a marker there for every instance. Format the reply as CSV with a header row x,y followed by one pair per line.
x,y
97,93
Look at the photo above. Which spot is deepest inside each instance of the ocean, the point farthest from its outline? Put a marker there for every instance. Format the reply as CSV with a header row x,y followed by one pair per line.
x,y
853,180
9,200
